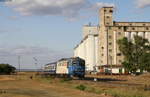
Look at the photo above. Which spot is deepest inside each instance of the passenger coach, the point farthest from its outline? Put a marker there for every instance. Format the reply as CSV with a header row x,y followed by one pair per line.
x,y
72,67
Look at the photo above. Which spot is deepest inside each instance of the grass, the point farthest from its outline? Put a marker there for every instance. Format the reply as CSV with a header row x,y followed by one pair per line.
x,y
44,79
120,90
138,86
81,87
63,80
127,92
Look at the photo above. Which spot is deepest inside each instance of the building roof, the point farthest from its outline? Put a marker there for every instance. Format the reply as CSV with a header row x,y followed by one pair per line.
x,y
84,39
108,7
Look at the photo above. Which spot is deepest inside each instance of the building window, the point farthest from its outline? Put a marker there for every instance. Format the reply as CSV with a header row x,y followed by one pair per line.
x,y
119,33
125,28
105,10
110,43
110,50
130,24
109,36
118,54
111,11
102,47
102,54
120,61
109,28
133,28
119,28
101,61
147,28
107,16
107,23
144,24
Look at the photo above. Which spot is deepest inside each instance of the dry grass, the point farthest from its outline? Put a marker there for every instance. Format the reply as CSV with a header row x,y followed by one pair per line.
x,y
107,86
23,86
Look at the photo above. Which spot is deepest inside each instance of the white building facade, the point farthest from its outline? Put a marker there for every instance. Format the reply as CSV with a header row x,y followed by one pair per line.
x,y
88,47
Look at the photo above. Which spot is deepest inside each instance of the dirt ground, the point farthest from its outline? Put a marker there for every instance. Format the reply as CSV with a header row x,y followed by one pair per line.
x,y
106,86
19,86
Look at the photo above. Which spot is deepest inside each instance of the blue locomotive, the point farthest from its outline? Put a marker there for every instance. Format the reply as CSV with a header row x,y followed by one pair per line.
x,y
76,67
72,67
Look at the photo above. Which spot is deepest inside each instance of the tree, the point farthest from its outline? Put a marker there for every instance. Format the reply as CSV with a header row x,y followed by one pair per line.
x,y
6,69
136,53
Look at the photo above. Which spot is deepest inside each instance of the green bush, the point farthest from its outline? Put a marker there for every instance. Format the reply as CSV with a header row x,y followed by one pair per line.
x,y
6,69
81,87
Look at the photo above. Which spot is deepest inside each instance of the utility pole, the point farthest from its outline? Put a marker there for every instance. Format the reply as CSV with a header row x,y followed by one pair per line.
x,y
36,63
19,63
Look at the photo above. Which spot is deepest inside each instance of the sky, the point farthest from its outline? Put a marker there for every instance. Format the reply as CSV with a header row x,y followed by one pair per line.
x,y
49,29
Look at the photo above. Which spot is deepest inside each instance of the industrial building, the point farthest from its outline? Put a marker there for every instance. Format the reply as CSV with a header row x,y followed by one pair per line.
x,y
88,47
107,54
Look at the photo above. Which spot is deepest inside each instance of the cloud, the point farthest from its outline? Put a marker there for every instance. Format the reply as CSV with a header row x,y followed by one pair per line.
x,y
44,55
27,50
66,8
98,5
4,30
13,17
142,3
